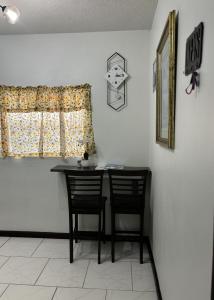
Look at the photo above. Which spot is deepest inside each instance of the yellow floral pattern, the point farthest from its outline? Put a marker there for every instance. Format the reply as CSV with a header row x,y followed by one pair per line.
x,y
43,98
46,122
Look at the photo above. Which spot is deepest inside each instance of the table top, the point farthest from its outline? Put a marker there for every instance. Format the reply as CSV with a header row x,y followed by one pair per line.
x,y
63,168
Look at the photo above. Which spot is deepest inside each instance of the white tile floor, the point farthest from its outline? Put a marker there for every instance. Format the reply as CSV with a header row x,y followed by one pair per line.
x,y
39,269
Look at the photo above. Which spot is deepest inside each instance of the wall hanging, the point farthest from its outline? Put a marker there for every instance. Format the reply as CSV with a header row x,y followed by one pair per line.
x,y
165,90
116,81
194,47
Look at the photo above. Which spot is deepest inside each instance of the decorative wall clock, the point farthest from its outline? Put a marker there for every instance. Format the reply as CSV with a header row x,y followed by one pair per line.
x,y
116,81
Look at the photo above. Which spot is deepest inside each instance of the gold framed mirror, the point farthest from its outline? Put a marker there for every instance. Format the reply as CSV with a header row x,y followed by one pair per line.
x,y
166,83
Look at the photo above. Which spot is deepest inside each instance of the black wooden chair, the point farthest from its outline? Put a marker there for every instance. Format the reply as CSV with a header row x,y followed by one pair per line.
x,y
127,196
85,197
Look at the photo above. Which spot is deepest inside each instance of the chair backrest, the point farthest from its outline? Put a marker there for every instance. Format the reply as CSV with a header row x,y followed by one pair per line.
x,y
128,184
84,183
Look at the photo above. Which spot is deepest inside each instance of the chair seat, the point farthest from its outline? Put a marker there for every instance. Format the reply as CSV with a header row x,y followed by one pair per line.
x,y
87,204
127,206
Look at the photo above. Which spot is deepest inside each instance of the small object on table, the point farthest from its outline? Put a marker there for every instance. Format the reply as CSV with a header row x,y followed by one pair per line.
x,y
86,155
79,163
85,163
114,166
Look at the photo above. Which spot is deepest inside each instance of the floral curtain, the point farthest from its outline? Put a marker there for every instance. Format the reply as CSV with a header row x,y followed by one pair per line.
x,y
46,121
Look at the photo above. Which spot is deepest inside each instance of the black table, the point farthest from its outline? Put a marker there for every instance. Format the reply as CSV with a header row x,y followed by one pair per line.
x,y
63,168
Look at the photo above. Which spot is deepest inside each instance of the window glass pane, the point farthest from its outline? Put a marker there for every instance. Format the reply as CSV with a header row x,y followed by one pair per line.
x,y
51,134
74,133
24,133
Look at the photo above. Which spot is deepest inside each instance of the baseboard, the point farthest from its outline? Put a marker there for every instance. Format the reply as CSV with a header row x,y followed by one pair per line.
x,y
34,234
154,269
86,236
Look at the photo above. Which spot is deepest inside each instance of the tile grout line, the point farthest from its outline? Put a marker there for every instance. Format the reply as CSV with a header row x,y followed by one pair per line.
x,y
9,238
54,294
36,248
42,271
76,287
8,257
86,273
131,275
39,257
59,286
145,291
5,290
23,256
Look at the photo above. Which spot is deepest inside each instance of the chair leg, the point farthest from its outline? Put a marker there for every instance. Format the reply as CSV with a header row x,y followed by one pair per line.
x,y
71,236
141,239
112,236
104,225
76,228
99,237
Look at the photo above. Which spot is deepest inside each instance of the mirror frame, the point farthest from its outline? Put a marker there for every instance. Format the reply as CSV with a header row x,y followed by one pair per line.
x,y
169,34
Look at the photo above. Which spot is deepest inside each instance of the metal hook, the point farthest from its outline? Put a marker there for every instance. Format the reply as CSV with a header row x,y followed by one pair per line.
x,y
194,82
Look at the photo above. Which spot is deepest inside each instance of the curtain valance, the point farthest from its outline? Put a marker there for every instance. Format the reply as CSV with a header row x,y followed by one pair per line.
x,y
45,99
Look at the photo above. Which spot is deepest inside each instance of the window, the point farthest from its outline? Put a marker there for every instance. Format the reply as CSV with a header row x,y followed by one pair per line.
x,y
45,122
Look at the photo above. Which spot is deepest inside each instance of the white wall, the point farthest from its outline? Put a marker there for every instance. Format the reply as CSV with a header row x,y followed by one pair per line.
x,y
183,179
31,197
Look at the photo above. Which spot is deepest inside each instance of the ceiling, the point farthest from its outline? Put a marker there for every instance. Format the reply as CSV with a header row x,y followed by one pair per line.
x,y
63,16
